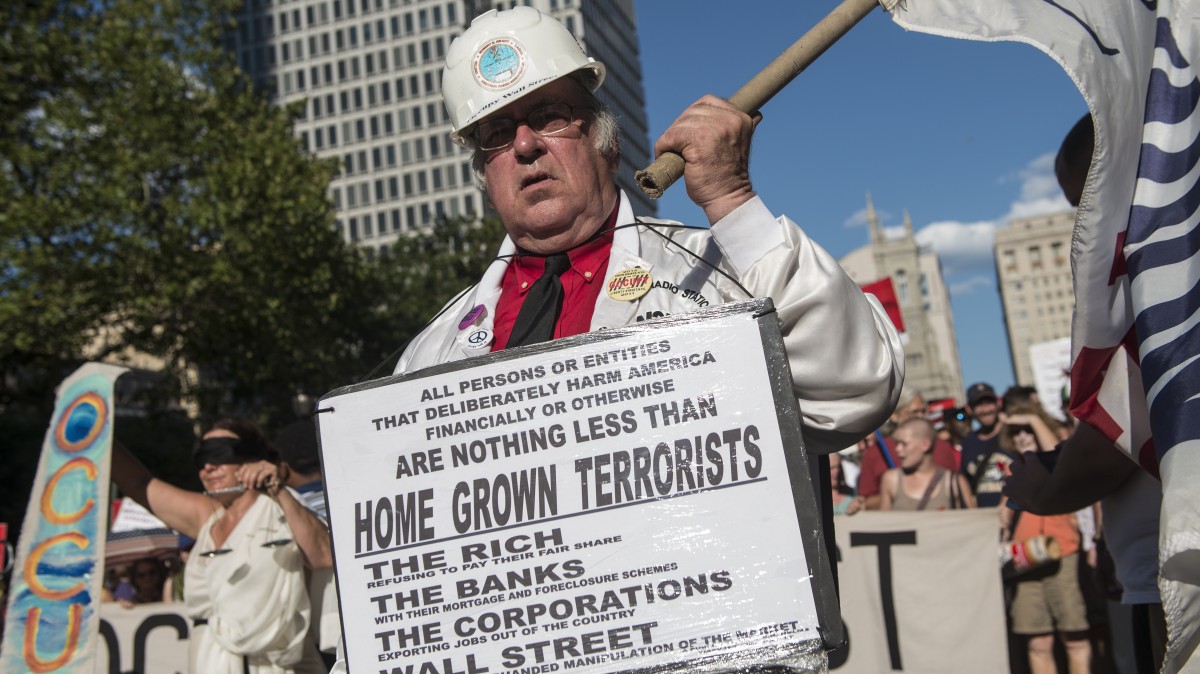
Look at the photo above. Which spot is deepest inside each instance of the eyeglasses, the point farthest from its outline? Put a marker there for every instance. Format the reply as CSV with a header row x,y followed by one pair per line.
x,y
1013,431
547,120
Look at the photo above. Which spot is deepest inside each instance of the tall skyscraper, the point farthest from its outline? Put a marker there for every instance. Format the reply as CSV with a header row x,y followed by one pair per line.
x,y
1033,265
931,362
366,75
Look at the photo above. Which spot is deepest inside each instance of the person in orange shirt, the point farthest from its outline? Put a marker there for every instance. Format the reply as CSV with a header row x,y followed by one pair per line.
x,y
1047,600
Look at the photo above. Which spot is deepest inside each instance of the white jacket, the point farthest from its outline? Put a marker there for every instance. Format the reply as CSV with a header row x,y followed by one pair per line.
x,y
847,361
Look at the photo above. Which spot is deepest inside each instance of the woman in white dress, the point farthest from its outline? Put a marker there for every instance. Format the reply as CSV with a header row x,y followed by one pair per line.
x,y
244,584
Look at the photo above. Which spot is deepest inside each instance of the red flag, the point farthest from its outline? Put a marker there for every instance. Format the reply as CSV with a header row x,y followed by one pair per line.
x,y
885,292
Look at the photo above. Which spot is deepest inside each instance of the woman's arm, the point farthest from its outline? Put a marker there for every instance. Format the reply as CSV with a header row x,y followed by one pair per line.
x,y
310,533
1046,437
887,488
182,510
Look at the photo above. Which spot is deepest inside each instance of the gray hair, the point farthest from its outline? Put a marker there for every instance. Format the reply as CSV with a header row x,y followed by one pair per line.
x,y
605,132
907,395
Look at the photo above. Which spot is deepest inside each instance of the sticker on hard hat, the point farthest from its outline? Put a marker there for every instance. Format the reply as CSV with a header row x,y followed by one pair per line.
x,y
499,63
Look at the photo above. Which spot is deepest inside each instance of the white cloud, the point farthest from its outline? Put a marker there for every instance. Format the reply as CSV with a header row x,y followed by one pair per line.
x,y
1040,193
962,246
969,285
859,218
967,247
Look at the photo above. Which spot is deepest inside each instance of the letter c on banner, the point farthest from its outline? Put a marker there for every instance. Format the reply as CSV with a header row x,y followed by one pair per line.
x,y
35,584
52,515
29,648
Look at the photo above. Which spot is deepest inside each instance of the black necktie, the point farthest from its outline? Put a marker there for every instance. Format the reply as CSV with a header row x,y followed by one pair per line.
x,y
535,321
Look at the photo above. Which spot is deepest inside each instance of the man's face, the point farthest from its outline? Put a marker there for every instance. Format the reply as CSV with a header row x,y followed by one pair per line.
x,y
552,192
910,447
986,411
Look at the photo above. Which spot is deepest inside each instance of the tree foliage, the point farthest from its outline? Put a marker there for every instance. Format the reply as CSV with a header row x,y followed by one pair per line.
x,y
152,201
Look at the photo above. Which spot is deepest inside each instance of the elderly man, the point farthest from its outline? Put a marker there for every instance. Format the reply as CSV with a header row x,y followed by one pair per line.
x,y
519,91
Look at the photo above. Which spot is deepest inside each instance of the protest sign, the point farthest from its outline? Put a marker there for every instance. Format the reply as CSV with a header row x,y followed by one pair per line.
x,y
54,593
635,499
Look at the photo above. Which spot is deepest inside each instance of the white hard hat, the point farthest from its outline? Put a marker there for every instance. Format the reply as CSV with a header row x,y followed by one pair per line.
x,y
505,55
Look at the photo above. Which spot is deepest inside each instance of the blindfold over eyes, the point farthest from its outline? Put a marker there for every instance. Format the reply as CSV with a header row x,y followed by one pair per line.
x,y
218,451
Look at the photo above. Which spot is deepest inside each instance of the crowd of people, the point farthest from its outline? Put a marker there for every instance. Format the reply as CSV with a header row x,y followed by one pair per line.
x,y
1069,572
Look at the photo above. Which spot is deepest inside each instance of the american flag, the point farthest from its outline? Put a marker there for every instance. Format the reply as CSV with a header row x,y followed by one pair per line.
x,y
1135,253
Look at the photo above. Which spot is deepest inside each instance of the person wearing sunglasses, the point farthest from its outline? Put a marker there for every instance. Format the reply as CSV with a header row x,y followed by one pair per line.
x,y
244,584
1047,601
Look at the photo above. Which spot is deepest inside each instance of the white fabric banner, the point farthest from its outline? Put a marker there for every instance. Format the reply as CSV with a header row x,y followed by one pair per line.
x,y
52,597
146,639
921,592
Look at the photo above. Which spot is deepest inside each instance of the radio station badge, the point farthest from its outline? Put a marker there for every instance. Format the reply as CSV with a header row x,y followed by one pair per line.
x,y
629,284
499,63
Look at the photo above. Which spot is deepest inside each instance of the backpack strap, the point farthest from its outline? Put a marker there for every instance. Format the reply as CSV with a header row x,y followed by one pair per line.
x,y
937,477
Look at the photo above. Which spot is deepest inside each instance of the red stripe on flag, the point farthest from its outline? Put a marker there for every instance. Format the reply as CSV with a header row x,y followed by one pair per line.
x,y
1147,458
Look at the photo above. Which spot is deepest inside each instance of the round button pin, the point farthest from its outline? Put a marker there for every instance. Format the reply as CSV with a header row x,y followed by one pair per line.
x,y
629,284
478,340
472,316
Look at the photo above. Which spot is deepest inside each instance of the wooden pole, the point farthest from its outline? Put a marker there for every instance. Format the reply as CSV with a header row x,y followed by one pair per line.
x,y
659,175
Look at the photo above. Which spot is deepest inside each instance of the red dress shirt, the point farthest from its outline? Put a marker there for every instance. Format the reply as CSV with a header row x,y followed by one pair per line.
x,y
581,287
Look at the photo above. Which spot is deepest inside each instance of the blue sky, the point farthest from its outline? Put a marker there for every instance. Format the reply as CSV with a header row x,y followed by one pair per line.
x,y
960,134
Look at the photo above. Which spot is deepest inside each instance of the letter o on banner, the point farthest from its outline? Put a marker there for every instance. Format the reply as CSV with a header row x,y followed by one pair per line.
x,y
81,423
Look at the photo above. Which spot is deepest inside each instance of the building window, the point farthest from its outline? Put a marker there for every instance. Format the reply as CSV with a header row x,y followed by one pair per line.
x,y
1035,257
1010,259
901,279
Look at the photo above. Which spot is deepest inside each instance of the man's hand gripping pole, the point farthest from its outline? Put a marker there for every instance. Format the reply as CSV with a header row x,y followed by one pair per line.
x,y
659,175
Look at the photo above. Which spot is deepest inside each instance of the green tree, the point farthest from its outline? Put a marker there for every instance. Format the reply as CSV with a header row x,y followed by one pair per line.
x,y
151,199
424,272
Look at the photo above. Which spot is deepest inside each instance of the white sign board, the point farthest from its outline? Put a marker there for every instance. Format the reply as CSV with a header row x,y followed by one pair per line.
x,y
1051,365
630,500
